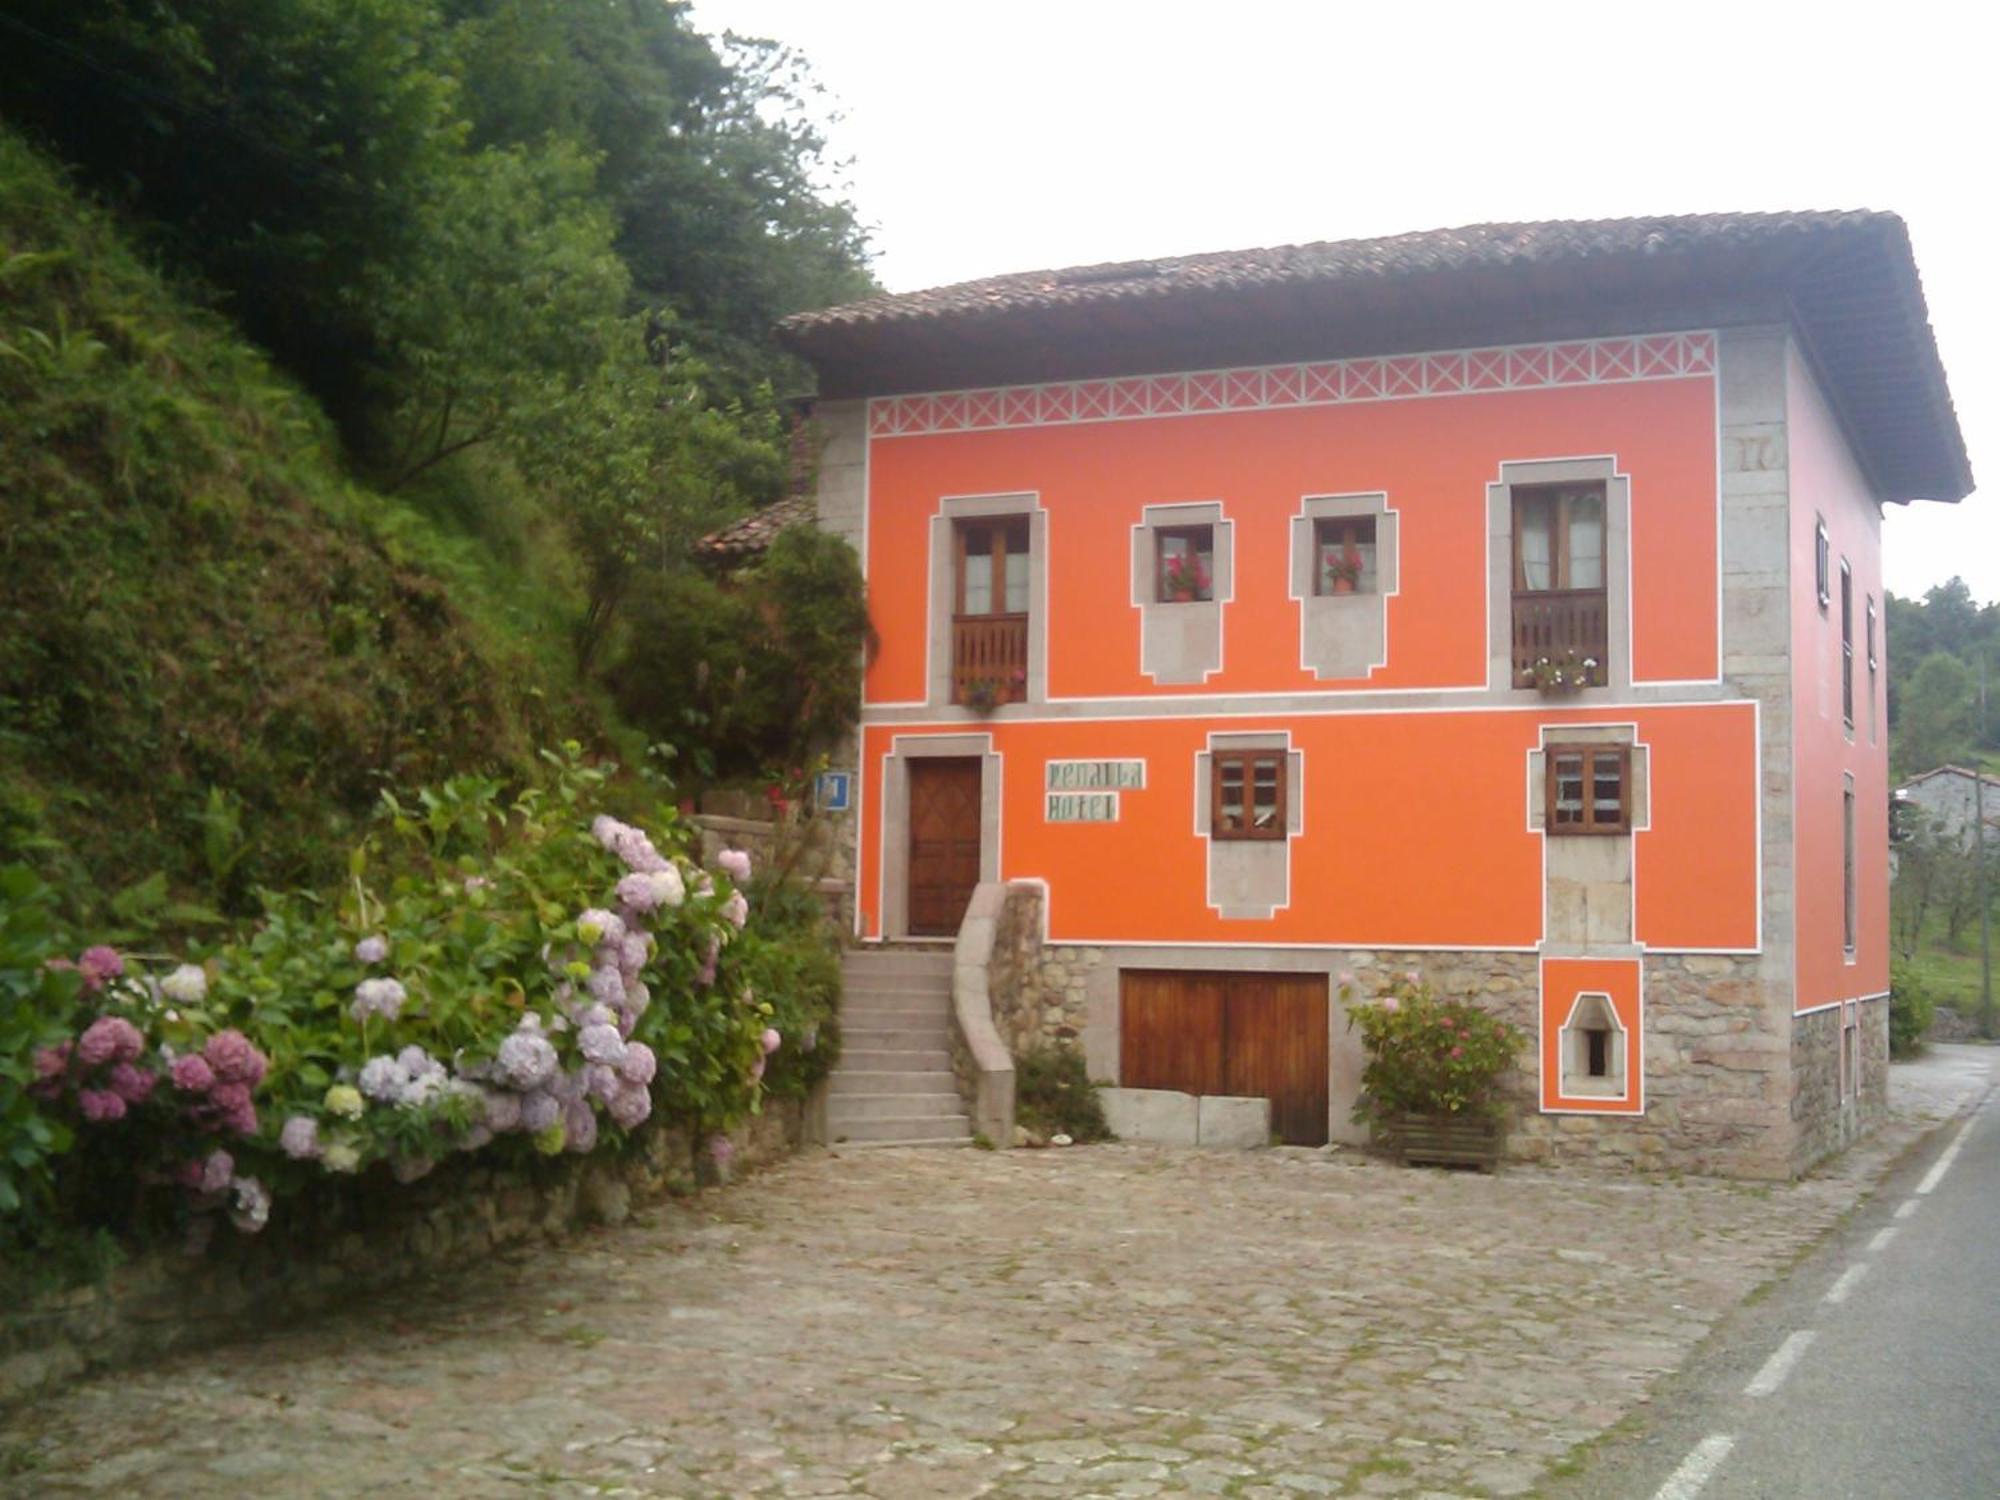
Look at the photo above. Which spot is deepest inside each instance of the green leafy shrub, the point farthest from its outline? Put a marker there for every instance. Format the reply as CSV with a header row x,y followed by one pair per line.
x,y
1053,1095
1912,1009
37,1005
757,671
1429,1056
521,974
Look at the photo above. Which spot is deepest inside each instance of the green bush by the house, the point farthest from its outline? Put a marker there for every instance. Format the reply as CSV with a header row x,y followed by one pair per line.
x,y
1912,1009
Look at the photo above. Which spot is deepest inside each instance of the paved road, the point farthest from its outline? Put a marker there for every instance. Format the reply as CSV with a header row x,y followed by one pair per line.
x,y
1873,1372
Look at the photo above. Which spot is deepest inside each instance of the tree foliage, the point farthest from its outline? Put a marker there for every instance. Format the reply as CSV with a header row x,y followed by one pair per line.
x,y
1935,718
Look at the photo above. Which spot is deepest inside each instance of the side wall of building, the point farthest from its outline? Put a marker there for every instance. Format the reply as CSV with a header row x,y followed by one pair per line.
x,y
1840,762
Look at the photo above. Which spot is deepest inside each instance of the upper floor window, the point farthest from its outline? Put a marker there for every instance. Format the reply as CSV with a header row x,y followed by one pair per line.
x,y
1588,789
1185,563
1871,636
990,612
1849,917
1846,644
1344,555
1822,564
1247,794
1561,618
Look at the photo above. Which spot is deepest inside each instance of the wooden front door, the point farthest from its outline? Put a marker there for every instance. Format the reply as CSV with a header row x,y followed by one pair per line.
x,y
1260,1036
944,844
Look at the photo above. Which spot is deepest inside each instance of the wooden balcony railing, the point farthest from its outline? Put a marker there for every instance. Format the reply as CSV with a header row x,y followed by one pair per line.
x,y
1564,625
989,659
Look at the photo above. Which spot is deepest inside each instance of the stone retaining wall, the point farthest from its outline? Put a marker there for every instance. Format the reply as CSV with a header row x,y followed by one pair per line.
x,y
360,1238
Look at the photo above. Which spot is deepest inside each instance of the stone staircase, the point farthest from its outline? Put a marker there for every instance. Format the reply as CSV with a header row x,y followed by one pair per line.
x,y
894,1084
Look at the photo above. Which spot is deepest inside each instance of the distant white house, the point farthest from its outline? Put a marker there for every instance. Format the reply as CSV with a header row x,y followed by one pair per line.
x,y
1948,795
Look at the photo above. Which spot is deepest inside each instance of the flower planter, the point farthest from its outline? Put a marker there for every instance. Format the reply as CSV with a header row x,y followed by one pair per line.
x,y
1473,1139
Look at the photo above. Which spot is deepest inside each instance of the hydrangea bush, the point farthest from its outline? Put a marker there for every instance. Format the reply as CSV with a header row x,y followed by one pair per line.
x,y
527,976
1425,1055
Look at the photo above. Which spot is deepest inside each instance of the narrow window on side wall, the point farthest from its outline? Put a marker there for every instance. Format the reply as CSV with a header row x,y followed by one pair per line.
x,y
1185,563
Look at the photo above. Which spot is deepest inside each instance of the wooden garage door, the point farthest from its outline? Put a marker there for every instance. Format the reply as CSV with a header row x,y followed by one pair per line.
x,y
1255,1035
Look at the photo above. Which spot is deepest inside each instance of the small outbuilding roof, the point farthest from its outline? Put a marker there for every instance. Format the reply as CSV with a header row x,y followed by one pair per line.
x,y
749,537
1846,281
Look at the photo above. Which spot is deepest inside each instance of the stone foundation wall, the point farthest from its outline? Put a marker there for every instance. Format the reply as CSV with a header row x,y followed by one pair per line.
x,y
1825,1120
819,850
1718,1044
357,1239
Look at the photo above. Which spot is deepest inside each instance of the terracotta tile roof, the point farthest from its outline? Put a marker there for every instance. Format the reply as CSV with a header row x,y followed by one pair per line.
x,y
1398,255
751,535
1847,280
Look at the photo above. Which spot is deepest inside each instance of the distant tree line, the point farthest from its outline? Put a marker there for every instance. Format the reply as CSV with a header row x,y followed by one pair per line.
x,y
1936,645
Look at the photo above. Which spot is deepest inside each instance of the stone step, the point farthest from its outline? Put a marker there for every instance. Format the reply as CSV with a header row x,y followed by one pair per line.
x,y
845,1109
915,1143
896,984
846,1080
891,1013
898,961
935,1038
910,1130
892,1059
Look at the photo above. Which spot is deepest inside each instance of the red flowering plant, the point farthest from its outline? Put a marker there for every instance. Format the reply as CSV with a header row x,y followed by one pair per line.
x,y
1184,577
1428,1056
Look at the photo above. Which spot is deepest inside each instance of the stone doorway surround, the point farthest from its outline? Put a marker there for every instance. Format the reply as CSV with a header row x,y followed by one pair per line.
x,y
895,845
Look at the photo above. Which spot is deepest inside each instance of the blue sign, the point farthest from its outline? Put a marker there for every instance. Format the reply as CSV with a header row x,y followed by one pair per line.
x,y
833,790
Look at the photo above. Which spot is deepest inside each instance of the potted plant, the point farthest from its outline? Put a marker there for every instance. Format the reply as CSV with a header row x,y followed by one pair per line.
x,y
1184,578
1430,1089
1344,571
1567,672
984,694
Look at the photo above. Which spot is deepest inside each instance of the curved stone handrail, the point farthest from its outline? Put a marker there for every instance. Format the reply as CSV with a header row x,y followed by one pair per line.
x,y
972,1015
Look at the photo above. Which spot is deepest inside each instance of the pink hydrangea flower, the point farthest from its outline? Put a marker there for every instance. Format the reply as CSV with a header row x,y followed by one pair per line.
x,y
100,1106
631,1106
372,949
52,1062
216,1170
99,965
133,1085
1391,1004
191,1075
735,863
736,909
235,1058
110,1039
300,1138
771,1039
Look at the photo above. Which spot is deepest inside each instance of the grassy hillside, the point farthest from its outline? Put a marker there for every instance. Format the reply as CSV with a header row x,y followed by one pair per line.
x,y
214,646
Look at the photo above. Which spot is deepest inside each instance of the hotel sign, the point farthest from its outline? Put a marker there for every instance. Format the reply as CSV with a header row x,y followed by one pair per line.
x,y
1086,791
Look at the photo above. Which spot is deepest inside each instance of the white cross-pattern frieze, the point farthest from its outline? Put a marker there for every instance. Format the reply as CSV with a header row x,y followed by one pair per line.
x,y
1402,377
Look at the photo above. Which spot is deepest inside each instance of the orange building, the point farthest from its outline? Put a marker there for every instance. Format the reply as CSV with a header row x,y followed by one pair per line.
x,y
1501,603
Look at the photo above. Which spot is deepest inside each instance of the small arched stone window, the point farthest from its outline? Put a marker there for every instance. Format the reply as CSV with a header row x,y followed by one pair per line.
x,y
1593,1050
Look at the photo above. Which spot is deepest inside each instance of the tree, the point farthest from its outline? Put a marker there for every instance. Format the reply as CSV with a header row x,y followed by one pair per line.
x,y
1936,723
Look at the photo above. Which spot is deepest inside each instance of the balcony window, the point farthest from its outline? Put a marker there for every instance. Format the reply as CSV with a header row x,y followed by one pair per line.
x,y
1560,613
990,612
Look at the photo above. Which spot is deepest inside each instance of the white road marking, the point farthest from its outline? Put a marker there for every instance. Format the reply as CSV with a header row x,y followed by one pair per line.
x,y
1882,1237
1907,1207
1943,1164
1779,1365
1696,1469
1849,1280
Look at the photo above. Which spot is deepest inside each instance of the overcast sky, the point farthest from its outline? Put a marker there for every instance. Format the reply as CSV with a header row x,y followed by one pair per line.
x,y
1011,137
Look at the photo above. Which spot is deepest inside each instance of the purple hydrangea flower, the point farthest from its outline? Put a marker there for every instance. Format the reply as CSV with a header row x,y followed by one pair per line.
x,y
234,1058
637,998
596,926
526,1060
633,954
736,909
539,1111
378,997
601,1044
300,1138
569,1087
372,949
631,1106
216,1170
735,863
639,1065
579,1127
383,1079
602,1082
606,987
502,1110
110,1039
477,1134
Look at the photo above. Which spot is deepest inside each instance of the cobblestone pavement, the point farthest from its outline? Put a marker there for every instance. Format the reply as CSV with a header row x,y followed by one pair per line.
x,y
1116,1320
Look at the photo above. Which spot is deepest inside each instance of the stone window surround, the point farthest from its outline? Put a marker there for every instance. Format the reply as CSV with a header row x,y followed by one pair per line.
x,y
944,587
1573,1081
893,888
1617,567
1264,863
1344,635
1585,862
1181,642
